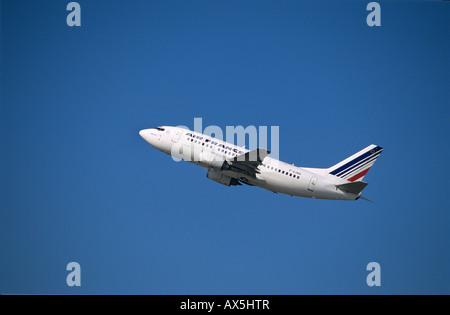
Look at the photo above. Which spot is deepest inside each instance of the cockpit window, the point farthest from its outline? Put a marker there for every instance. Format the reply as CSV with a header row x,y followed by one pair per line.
x,y
159,128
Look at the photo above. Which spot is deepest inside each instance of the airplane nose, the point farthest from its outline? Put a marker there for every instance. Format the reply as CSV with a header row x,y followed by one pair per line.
x,y
145,133
148,136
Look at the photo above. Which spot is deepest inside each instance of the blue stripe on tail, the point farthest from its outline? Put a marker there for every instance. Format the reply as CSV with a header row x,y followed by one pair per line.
x,y
356,160
360,164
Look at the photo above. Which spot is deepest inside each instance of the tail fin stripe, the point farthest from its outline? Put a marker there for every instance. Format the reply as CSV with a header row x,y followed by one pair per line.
x,y
356,160
358,171
359,165
359,175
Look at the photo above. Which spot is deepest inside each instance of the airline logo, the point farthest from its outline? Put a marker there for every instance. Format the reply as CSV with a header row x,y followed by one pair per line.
x,y
215,143
358,167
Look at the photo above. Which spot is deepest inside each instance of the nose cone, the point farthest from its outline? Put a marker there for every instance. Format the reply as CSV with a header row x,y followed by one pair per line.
x,y
143,132
151,136
147,136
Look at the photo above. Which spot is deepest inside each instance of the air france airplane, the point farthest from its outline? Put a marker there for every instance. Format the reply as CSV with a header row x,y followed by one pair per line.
x,y
232,165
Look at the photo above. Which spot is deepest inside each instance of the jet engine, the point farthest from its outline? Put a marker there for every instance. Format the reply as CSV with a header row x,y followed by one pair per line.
x,y
222,179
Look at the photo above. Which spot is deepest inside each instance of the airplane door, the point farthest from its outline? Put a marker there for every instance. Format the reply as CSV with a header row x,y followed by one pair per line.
x,y
187,153
176,136
312,183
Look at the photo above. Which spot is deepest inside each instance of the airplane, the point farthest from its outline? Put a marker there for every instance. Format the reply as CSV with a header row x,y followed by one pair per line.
x,y
232,165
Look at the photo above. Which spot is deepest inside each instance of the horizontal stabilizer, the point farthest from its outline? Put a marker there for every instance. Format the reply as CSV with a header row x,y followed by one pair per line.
x,y
353,188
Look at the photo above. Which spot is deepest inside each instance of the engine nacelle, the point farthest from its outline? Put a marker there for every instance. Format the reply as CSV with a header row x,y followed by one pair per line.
x,y
222,179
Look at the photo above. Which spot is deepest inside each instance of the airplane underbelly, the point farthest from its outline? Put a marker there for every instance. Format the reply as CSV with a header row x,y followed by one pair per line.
x,y
282,185
303,187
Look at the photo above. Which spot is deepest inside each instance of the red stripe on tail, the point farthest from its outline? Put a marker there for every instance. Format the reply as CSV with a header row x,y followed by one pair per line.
x,y
358,176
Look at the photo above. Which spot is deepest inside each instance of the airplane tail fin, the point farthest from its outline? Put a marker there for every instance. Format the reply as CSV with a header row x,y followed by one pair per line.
x,y
356,166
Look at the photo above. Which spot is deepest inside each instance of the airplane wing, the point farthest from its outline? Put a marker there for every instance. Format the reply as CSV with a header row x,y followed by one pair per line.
x,y
248,162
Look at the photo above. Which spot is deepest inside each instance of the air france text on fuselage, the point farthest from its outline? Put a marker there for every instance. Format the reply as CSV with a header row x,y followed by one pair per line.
x,y
215,143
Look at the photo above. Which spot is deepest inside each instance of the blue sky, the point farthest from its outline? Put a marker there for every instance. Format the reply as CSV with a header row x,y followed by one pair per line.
x,y
79,184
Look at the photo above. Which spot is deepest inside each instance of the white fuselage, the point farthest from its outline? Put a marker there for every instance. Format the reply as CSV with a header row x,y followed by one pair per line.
x,y
274,175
